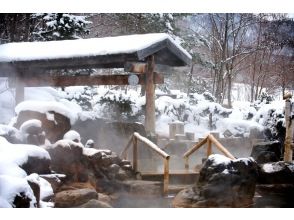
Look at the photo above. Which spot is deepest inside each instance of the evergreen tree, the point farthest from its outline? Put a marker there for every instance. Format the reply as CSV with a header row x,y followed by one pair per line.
x,y
61,26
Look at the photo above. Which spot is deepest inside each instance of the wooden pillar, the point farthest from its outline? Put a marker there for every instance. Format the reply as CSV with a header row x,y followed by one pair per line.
x,y
186,163
166,176
19,89
288,153
150,96
135,154
209,150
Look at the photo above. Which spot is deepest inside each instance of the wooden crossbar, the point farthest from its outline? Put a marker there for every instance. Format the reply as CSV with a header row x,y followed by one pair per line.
x,y
209,139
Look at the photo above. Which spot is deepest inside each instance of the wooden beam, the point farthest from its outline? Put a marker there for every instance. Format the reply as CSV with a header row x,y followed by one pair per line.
x,y
63,81
151,145
150,97
135,67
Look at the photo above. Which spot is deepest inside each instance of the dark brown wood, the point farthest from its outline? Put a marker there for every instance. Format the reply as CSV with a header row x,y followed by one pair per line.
x,y
288,152
135,67
135,154
60,81
150,97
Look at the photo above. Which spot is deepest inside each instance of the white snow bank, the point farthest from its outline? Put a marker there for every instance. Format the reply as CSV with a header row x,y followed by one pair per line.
x,y
19,153
66,144
271,168
219,159
82,47
11,186
47,106
72,135
30,123
237,126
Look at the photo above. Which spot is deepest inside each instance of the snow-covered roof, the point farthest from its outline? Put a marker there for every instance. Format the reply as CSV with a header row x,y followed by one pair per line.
x,y
106,51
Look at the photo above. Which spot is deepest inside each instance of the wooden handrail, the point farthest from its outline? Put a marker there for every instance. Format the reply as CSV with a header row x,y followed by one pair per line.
x,y
221,147
151,145
209,139
195,147
134,139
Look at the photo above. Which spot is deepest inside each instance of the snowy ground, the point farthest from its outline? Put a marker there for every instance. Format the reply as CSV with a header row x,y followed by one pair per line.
x,y
193,111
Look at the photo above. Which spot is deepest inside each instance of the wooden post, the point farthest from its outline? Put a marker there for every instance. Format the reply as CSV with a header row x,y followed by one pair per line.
x,y
150,96
135,154
186,163
209,150
288,153
166,176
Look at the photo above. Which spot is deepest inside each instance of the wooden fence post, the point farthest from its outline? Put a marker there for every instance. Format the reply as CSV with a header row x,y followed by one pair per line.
x,y
166,176
135,154
288,152
209,150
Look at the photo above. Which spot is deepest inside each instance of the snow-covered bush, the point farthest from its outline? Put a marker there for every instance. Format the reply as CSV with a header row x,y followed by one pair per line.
x,y
61,26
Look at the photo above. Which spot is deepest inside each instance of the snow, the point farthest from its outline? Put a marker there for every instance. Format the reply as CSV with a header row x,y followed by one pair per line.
x,y
30,123
81,47
47,106
219,159
271,168
19,153
66,144
11,186
72,135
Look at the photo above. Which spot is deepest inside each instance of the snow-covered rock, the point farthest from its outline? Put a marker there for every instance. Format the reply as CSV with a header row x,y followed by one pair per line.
x,y
222,183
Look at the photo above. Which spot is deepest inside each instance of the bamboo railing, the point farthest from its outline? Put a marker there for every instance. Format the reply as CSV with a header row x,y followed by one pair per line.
x,y
209,139
134,140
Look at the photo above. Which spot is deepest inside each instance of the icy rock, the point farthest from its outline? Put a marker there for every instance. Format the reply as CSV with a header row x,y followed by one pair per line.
x,y
222,183
276,173
265,152
54,126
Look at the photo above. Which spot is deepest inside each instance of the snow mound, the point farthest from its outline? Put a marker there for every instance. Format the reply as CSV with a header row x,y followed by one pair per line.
x,y
73,136
48,106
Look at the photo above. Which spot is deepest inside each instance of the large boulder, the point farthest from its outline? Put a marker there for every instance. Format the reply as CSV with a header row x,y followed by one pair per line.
x,y
74,198
276,173
99,168
94,203
54,124
67,157
265,152
222,183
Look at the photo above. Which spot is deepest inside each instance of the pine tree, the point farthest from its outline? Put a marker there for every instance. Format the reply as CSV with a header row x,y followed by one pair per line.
x,y
61,26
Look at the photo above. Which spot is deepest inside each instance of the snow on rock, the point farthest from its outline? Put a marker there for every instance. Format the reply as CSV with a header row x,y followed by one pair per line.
x,y
19,153
28,125
47,106
11,186
12,134
73,136
219,159
82,47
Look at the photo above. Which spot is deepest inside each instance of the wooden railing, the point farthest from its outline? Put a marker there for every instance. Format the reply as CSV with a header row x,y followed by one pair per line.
x,y
134,140
209,139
